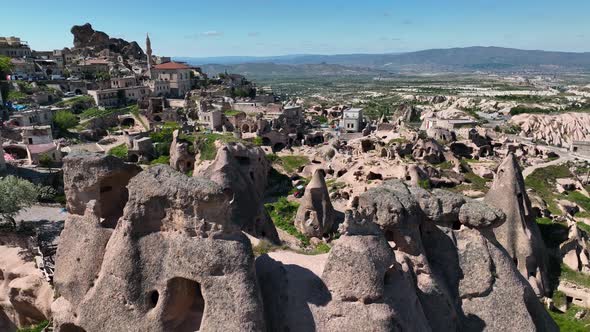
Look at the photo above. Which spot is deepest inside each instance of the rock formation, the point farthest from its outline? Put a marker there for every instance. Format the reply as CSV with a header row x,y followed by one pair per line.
x,y
559,130
174,262
407,260
25,295
85,37
243,171
181,159
428,150
575,251
315,215
96,177
519,235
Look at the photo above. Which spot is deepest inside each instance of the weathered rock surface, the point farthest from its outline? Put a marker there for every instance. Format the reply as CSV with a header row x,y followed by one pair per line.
x,y
86,37
315,215
559,130
428,150
448,275
574,251
97,177
174,262
25,295
181,159
243,171
519,235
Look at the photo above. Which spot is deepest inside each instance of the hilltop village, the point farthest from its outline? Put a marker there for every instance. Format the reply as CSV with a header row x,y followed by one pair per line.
x,y
167,199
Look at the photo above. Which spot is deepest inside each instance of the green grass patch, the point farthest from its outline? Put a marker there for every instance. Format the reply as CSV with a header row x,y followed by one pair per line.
x,y
290,164
445,165
282,213
333,185
229,113
582,200
119,151
16,96
477,182
542,181
94,112
322,248
205,143
585,227
567,321
161,160
575,277
35,328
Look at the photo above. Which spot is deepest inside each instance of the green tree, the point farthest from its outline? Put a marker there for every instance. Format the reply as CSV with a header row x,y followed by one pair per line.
x,y
5,69
64,120
45,160
15,195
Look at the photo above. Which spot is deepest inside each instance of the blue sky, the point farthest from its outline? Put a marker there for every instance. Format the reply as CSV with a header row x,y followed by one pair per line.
x,y
203,28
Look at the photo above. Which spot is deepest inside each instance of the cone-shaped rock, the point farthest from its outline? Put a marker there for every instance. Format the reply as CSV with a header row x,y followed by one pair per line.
x,y
315,215
243,171
519,235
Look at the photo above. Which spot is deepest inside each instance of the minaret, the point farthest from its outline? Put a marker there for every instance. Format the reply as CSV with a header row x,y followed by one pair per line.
x,y
148,51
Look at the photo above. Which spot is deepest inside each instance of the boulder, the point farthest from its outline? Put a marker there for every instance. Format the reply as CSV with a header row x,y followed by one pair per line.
x,y
25,294
315,215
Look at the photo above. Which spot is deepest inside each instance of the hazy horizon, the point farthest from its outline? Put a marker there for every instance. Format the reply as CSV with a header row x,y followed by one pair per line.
x,y
272,28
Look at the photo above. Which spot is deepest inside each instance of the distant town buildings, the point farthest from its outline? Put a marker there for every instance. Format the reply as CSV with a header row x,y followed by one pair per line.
x,y
14,47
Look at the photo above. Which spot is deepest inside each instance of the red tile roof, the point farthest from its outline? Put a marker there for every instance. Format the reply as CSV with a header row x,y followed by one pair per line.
x,y
172,66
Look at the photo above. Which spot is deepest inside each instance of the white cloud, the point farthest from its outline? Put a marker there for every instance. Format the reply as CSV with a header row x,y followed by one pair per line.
x,y
212,33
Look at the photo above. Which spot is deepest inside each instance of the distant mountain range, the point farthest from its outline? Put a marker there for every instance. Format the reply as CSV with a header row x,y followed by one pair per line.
x,y
470,59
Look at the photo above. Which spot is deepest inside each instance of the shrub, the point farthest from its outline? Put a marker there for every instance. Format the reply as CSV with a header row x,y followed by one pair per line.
x,y
282,213
119,151
15,194
64,120
35,328
161,160
257,141
292,163
45,160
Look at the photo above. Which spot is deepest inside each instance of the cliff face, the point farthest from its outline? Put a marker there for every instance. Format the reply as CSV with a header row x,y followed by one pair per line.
x,y
559,130
85,37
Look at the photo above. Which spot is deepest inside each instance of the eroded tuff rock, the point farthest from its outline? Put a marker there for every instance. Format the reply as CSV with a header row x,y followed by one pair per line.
x,y
97,177
519,235
181,159
574,251
243,170
559,130
25,295
440,271
174,262
315,215
428,150
86,37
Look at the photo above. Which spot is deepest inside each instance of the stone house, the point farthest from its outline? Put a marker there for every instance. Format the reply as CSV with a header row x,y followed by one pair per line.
x,y
581,148
34,117
178,74
118,97
14,47
36,135
352,120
